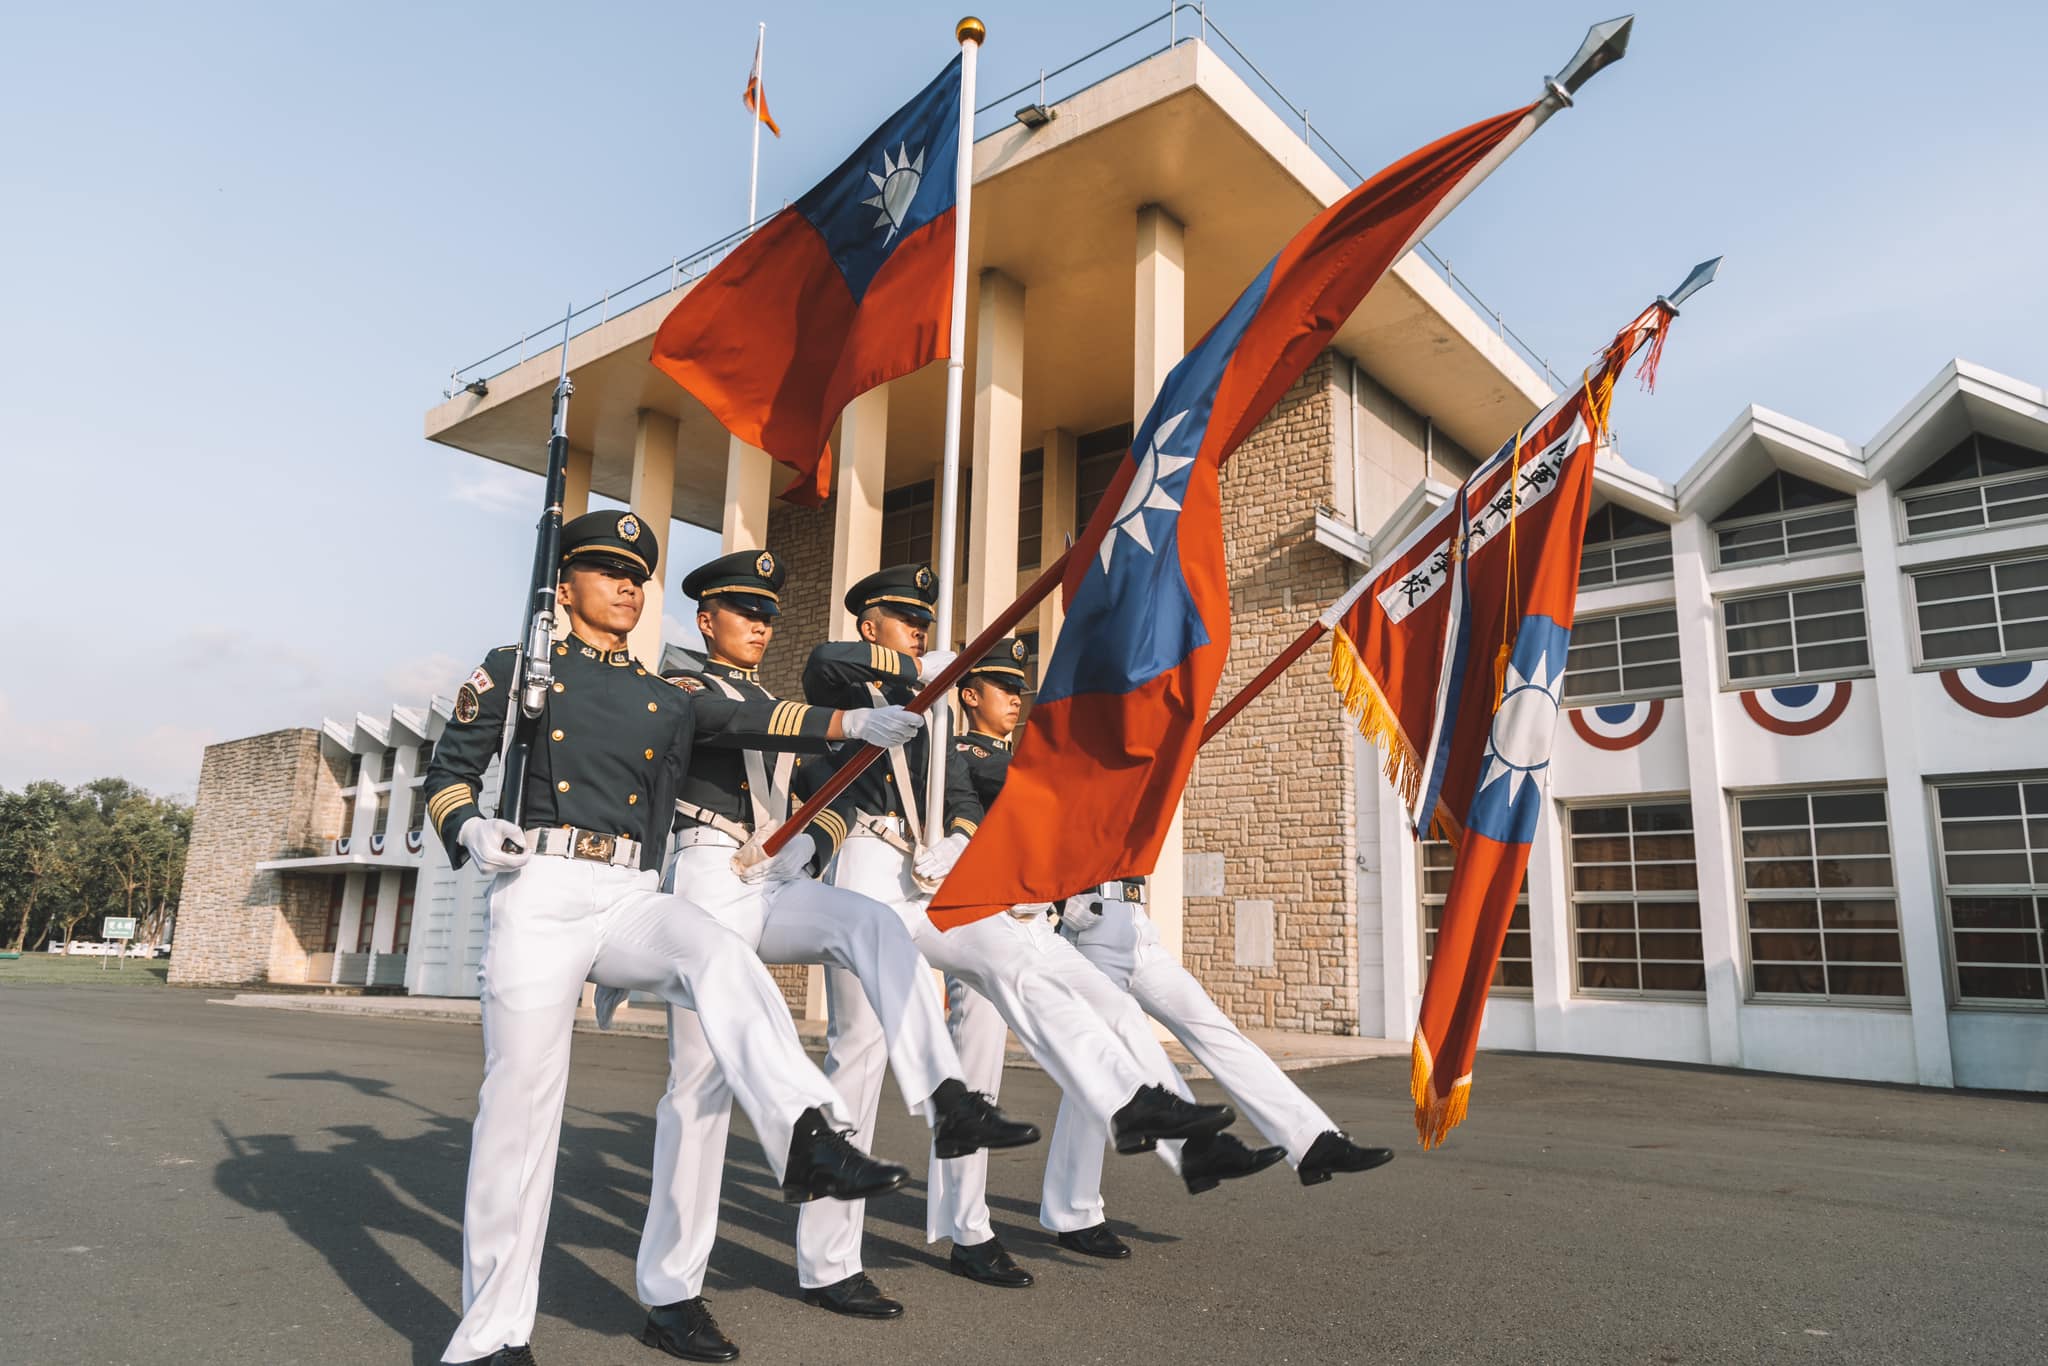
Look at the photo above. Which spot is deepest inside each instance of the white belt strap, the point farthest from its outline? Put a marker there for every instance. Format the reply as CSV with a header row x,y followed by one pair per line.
x,y
906,790
769,796
723,824
882,828
563,841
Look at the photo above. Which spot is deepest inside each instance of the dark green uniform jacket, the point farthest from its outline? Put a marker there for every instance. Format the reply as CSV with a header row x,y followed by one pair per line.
x,y
614,743
837,675
717,778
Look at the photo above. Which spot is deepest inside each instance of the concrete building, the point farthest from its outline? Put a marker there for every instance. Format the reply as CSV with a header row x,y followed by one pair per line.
x,y
1170,183
1800,796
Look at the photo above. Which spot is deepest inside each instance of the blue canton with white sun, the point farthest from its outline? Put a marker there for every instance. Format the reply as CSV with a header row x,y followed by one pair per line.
x,y
1516,769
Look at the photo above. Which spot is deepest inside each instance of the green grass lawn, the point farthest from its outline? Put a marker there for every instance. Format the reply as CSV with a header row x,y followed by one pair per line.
x,y
55,968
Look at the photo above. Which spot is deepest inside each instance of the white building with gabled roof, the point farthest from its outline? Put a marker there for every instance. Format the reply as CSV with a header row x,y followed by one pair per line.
x,y
1800,798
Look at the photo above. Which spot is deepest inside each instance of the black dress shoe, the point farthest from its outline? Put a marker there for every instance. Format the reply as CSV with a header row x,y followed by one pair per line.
x,y
1095,1241
824,1164
969,1121
856,1297
988,1263
686,1329
506,1356
1156,1113
1206,1163
1333,1152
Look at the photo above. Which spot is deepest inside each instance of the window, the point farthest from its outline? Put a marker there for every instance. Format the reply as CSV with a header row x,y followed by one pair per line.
x,y
331,936
1512,974
1994,878
1799,633
355,770
1784,518
1635,900
1982,611
1817,896
387,764
1623,546
366,924
382,815
1983,482
416,818
1097,457
1629,654
1030,508
907,524
401,933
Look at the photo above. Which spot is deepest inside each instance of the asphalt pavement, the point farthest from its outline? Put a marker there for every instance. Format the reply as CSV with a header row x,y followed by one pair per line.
x,y
184,1182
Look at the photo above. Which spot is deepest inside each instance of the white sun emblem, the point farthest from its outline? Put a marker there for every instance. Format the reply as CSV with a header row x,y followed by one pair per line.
x,y
1524,728
896,187
1147,490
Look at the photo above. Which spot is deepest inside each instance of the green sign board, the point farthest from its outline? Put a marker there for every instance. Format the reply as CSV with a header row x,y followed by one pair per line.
x,y
118,927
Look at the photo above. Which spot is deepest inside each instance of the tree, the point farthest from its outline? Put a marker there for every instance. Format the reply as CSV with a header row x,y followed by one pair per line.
x,y
31,850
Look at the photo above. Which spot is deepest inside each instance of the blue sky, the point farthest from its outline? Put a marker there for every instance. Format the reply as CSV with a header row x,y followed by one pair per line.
x,y
247,243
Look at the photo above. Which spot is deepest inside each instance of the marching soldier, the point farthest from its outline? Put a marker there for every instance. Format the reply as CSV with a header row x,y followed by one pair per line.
x,y
727,796
991,695
1109,926
892,855
573,898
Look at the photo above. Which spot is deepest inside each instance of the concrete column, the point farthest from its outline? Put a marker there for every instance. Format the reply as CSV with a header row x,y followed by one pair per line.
x,y
1056,523
1400,906
749,488
1891,625
364,818
351,921
857,500
1699,652
1550,947
1160,315
653,495
384,927
998,450
401,798
576,487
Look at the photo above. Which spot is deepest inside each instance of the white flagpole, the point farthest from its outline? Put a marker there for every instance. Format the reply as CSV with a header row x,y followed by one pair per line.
x,y
970,32
760,99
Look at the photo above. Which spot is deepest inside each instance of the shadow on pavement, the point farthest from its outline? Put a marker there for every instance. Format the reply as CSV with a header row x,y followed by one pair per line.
x,y
404,1179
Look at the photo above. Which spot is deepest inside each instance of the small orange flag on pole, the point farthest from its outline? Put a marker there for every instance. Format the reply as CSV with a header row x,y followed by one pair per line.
x,y
756,97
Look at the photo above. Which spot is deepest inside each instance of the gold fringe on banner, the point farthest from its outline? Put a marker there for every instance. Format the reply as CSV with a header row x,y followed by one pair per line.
x,y
1435,1116
1362,698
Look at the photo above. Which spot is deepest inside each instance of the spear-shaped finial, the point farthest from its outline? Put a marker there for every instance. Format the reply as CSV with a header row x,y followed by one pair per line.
x,y
1700,277
1605,45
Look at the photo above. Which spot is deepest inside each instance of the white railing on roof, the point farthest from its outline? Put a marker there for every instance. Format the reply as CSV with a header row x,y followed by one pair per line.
x,y
1182,22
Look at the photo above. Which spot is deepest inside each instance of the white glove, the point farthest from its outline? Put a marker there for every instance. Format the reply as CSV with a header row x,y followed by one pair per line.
x,y
934,663
936,862
791,865
881,726
607,1004
485,839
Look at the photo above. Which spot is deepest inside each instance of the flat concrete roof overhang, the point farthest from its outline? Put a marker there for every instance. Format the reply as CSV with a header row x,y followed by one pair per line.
x,y
1056,209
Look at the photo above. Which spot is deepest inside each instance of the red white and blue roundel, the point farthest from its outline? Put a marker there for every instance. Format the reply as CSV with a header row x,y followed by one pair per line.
x,y
1797,708
2019,688
1617,725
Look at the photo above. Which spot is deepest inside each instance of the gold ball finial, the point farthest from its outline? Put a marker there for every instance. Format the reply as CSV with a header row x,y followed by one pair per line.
x,y
971,30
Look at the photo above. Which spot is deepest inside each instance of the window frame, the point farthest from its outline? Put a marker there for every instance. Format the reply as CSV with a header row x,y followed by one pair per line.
x,y
1787,555
1424,901
1572,895
1613,545
1730,683
1750,995
1952,966
1677,636
1921,663
1980,483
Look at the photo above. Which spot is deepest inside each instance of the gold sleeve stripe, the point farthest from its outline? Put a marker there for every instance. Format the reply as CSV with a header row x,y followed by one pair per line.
x,y
961,823
832,824
885,660
787,718
448,800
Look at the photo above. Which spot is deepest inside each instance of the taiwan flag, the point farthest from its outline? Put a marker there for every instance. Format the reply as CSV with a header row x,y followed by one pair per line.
x,y
1452,659
847,288
1118,717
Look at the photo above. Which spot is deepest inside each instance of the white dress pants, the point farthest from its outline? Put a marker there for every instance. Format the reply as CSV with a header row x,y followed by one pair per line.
x,y
553,925
788,922
1124,946
1034,980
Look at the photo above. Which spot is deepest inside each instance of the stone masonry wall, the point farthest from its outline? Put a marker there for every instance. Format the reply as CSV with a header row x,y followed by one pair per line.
x,y
256,802
1274,794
